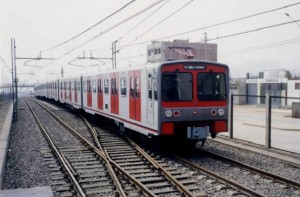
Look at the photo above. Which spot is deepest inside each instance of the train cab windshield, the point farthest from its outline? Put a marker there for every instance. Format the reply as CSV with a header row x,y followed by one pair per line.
x,y
211,86
177,87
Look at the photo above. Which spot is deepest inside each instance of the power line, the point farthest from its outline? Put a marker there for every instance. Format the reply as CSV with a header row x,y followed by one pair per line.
x,y
123,7
130,30
253,30
161,22
143,20
260,47
214,25
109,29
135,56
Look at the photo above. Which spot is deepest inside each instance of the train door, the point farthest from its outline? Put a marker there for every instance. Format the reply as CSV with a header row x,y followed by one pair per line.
x,y
75,92
114,95
89,93
135,95
79,83
61,90
100,93
70,91
65,90
150,98
84,94
106,97
94,92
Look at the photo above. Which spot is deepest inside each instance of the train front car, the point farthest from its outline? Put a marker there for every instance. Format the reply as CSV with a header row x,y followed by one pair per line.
x,y
194,100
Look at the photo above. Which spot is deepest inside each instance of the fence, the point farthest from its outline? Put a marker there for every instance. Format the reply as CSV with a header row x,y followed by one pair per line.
x,y
6,93
267,124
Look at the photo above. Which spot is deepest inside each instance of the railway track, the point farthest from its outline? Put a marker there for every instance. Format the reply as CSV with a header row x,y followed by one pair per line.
x,y
151,174
216,180
88,172
140,170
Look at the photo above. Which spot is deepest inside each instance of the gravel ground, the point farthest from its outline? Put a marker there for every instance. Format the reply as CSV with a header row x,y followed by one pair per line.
x,y
60,135
264,162
25,166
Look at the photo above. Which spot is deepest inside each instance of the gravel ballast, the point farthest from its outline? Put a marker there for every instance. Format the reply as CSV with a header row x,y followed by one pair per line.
x,y
25,167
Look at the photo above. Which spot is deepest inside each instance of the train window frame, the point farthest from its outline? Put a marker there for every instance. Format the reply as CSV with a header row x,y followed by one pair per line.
x,y
84,85
137,88
150,87
78,85
106,86
99,86
123,86
132,86
94,86
112,86
155,91
174,88
218,91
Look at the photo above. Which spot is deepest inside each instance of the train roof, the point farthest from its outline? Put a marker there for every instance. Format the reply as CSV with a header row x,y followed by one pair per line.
x,y
144,66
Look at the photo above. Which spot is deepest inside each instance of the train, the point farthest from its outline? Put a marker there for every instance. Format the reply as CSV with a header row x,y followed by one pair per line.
x,y
186,100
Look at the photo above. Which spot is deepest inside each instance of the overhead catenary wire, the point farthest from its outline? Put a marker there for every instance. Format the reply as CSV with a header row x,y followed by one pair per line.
x,y
109,29
134,27
143,20
213,25
260,47
147,31
88,29
253,30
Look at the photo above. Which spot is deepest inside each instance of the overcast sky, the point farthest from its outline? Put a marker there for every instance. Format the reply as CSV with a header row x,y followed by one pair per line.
x,y
39,25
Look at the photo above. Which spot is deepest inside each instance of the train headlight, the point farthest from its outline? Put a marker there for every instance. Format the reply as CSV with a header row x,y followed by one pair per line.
x,y
168,113
221,112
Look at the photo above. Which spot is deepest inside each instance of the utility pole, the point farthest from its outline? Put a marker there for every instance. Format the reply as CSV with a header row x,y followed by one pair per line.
x,y
205,41
14,77
14,72
114,54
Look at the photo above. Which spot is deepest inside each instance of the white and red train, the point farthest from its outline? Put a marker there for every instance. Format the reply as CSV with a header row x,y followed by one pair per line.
x,y
185,99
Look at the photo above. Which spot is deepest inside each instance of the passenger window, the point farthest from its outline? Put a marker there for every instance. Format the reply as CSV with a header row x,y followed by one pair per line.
x,y
84,86
155,92
137,87
132,86
99,86
94,85
123,85
106,86
112,86
150,87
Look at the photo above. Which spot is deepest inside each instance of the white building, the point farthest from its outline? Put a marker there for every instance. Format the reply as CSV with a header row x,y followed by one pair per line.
x,y
276,83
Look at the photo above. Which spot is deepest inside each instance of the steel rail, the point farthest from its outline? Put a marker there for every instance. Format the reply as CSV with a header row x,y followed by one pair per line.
x,y
92,130
170,177
90,146
264,173
57,153
102,155
233,184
